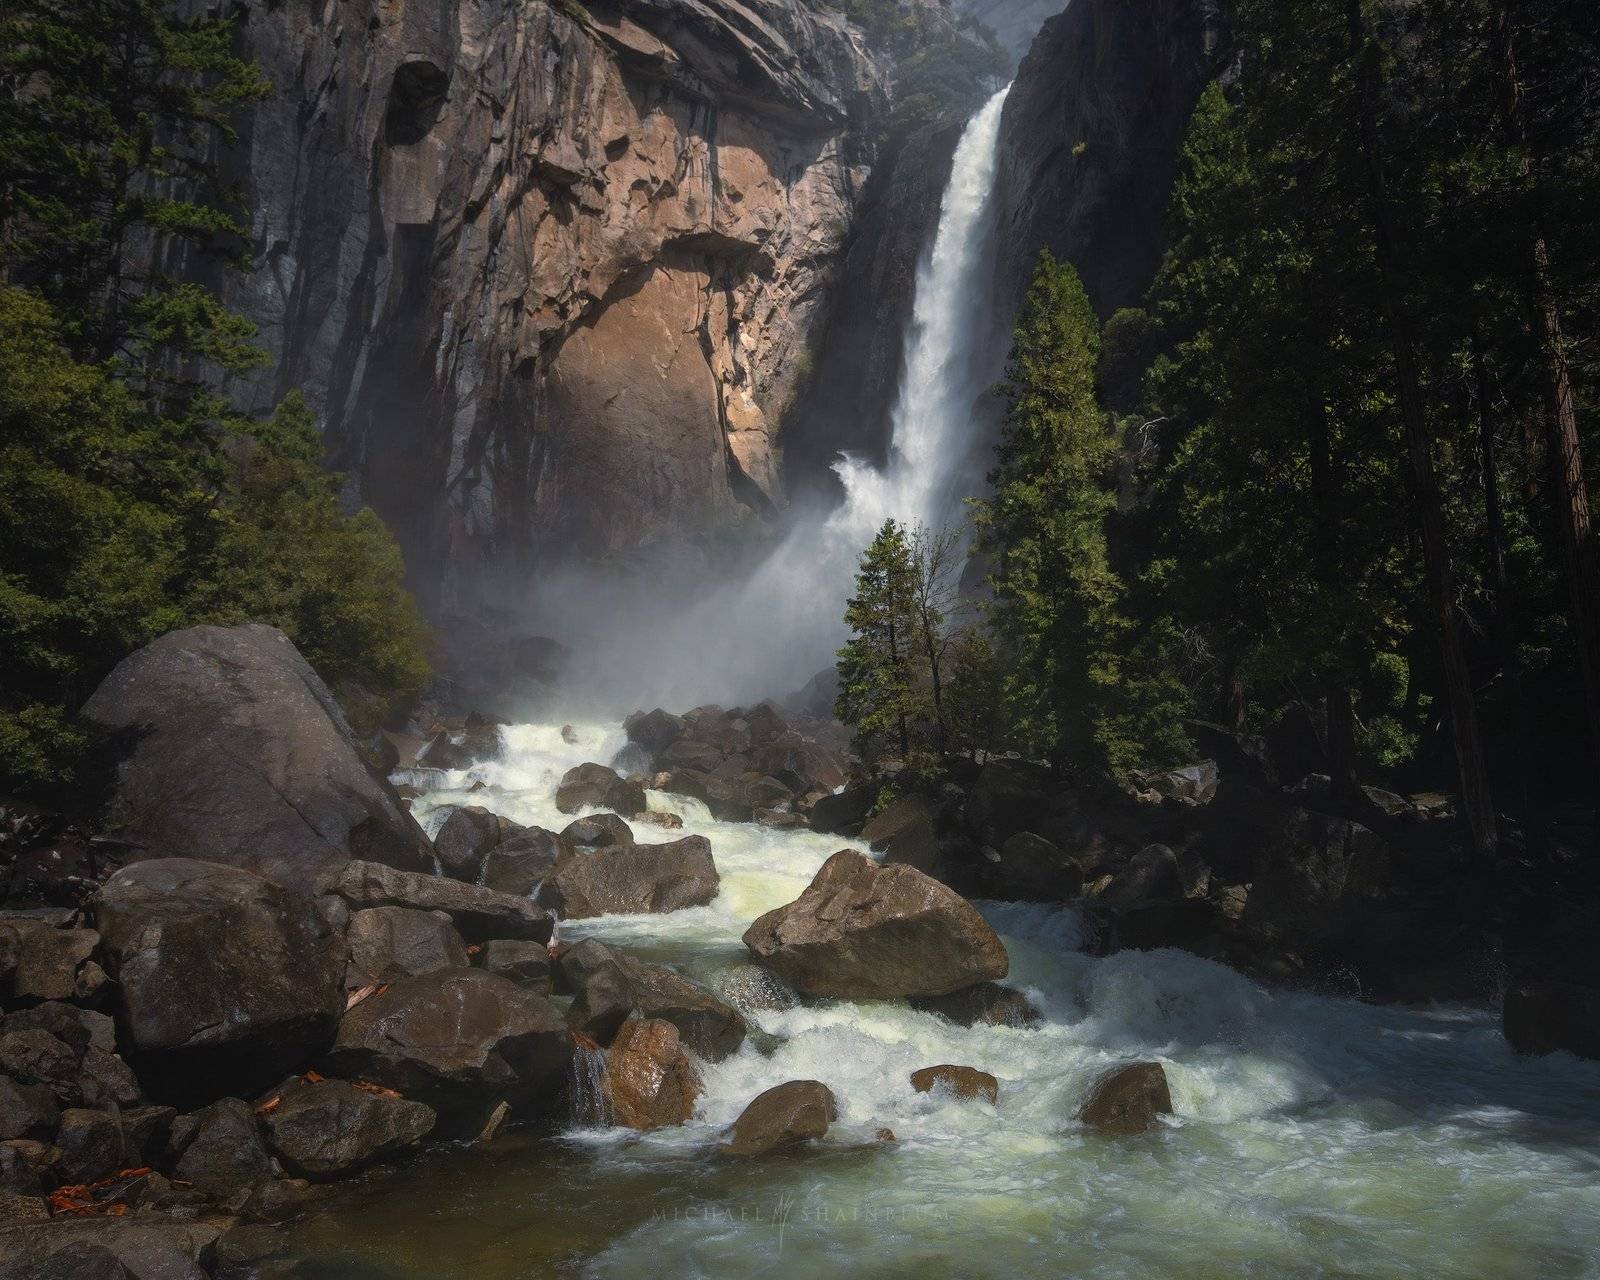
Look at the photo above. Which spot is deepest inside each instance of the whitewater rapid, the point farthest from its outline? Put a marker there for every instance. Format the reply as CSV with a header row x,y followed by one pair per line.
x,y
1312,1136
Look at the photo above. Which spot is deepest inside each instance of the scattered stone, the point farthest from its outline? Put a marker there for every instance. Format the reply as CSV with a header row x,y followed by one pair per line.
x,y
962,1082
225,980
655,731
865,932
649,1082
398,942
982,1004
525,963
218,1149
1030,868
610,986
598,831
479,914
638,880
1544,1016
90,1146
467,838
57,964
27,1111
519,865
240,755
1152,875
328,1128
460,1040
594,786
1190,786
1128,1099
783,1118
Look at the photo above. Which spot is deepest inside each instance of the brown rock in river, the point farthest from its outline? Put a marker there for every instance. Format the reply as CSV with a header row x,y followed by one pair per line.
x,y
865,932
963,1082
783,1118
1128,1100
649,1081
633,880
594,786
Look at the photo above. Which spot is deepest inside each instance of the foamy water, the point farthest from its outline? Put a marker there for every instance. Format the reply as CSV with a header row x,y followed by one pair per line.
x,y
1312,1136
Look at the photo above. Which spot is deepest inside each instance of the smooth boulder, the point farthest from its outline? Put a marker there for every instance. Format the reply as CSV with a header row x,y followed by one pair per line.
x,y
865,932
235,752
467,837
649,1081
958,1081
520,864
328,1128
608,987
1128,1099
477,913
640,879
594,786
225,981
783,1118
460,1040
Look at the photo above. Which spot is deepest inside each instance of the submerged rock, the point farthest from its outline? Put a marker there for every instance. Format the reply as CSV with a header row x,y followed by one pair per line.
x,y
225,981
460,1040
1128,1099
634,880
984,1003
649,1081
962,1082
237,753
783,1118
594,786
865,932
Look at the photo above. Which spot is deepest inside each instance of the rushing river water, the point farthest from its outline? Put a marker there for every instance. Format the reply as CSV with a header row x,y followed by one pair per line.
x,y
1312,1136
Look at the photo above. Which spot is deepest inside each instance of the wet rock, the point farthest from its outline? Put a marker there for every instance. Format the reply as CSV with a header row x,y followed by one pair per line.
x,y
27,1111
843,813
478,740
801,764
478,913
598,831
649,1082
594,786
655,731
467,838
661,820
525,963
962,1082
610,986
461,1041
906,834
983,1004
107,1248
865,932
517,866
1030,868
1128,1099
225,980
640,879
749,986
218,1149
1543,1015
238,754
632,761
779,819
1152,875
783,1118
90,1146
397,942
329,1128
57,964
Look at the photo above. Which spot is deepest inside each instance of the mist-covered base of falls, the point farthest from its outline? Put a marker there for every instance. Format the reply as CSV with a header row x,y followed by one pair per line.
x,y
1312,1137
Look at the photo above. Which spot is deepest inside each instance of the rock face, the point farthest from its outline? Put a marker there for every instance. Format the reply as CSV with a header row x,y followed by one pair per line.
x,y
1015,22
649,1081
225,980
1128,1100
1090,138
633,880
461,1041
327,1129
511,249
865,932
782,1118
237,753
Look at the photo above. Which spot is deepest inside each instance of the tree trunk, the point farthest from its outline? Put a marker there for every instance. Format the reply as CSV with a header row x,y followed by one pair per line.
x,y
1476,801
1562,448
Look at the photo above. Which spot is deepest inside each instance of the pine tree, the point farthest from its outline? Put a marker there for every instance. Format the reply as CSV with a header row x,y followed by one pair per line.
x,y
878,694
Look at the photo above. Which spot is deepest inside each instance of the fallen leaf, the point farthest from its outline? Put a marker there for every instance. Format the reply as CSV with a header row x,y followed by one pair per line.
x,y
312,1077
269,1106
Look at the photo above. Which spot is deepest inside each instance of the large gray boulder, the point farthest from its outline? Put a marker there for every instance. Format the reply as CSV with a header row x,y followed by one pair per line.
x,y
865,932
638,879
460,1040
225,980
477,913
235,752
